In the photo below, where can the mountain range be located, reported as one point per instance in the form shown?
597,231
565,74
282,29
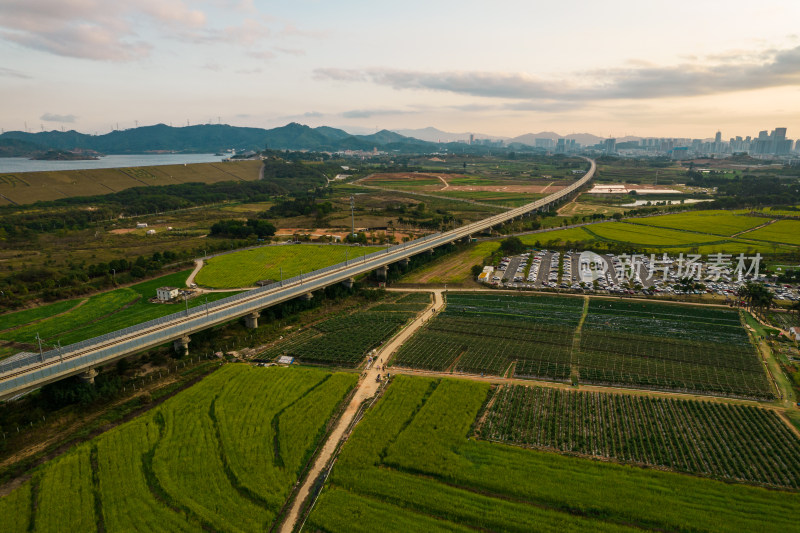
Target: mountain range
207,138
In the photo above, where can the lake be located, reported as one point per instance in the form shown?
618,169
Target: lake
21,164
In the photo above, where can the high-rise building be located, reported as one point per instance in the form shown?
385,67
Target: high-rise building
610,146
471,138
718,137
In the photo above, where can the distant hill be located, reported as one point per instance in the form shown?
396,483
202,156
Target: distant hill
19,148
435,135
208,138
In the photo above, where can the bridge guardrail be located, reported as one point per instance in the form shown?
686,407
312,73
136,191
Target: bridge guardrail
221,310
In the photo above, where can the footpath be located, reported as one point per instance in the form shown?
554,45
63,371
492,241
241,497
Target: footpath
367,388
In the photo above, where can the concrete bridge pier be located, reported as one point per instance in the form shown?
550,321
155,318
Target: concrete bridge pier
251,320
404,262
88,376
382,272
181,345
307,296
349,282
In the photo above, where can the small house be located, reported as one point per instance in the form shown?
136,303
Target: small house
165,294
151,232
140,225
795,333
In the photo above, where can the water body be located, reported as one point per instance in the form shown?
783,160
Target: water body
21,164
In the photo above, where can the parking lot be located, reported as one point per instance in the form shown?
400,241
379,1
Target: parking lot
612,274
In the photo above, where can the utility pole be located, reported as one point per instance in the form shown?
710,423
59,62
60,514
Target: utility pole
186,301
281,276
41,354
353,215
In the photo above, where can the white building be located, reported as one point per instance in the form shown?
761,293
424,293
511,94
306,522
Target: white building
165,294
151,232
141,224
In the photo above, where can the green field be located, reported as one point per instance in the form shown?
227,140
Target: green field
30,187
507,199
729,442
20,318
245,268
715,222
346,339
653,238
411,465
651,345
100,314
782,231
220,456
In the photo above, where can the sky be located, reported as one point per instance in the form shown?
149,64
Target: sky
501,68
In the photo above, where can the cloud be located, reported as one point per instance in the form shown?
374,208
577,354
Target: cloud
728,73
53,117
313,114
262,55
11,73
91,29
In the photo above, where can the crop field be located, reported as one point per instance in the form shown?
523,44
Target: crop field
485,333
245,268
409,465
102,313
345,340
782,231
670,347
221,456
453,267
655,239
646,345
500,198
729,442
30,187
715,222
648,236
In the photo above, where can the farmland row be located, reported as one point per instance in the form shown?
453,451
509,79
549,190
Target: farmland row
651,345
222,455
409,464
730,442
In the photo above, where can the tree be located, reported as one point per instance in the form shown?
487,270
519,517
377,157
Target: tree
476,270
512,246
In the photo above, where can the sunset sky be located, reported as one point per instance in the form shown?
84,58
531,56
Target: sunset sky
613,68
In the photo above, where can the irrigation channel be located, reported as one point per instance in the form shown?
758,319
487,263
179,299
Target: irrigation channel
32,371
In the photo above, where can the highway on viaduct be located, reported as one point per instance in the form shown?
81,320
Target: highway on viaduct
18,375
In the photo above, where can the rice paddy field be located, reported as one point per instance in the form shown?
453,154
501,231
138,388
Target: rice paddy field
30,187
701,231
716,222
245,268
222,455
602,341
413,464
782,231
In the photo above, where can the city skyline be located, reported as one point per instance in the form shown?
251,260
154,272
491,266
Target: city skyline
616,69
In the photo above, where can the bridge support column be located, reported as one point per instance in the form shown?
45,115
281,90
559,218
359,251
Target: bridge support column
307,296
181,345
88,376
382,272
404,262
251,320
349,282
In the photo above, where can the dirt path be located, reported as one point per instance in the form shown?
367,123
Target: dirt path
367,388
529,382
198,264
446,185
757,227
